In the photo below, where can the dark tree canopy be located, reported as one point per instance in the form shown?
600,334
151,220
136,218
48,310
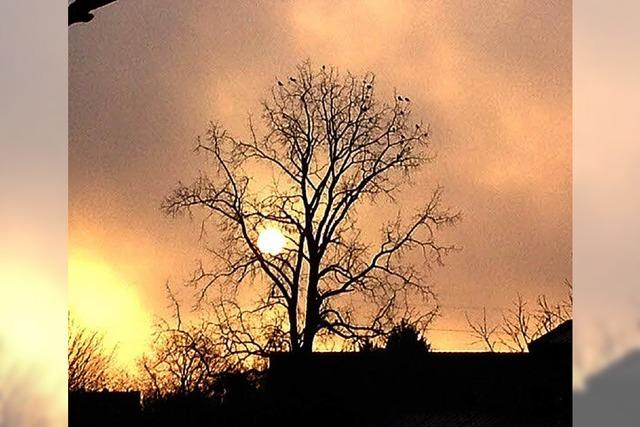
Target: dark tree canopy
328,146
406,339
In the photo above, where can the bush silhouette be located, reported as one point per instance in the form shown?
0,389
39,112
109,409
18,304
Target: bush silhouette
406,339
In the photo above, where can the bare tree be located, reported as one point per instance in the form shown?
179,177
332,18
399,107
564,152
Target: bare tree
329,146
520,325
516,326
549,315
482,331
248,332
89,360
184,359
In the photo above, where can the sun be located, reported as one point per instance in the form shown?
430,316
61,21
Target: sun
271,241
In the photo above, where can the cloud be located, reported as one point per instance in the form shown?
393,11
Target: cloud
493,81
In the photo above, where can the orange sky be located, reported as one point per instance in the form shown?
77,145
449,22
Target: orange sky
493,81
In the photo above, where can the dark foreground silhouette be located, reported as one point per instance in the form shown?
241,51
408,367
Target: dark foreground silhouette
372,388
80,10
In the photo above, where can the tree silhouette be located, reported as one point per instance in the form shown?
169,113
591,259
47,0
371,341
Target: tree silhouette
329,146
483,332
184,359
89,362
519,325
406,339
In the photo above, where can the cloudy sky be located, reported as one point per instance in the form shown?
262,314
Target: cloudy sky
494,82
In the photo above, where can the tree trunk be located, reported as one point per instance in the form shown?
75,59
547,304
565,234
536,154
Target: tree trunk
294,336
312,317
309,335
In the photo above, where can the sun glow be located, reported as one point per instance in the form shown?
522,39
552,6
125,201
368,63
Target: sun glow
271,241
102,301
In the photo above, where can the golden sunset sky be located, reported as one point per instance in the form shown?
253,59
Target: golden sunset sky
145,78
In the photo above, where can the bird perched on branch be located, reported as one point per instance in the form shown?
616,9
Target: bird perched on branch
80,10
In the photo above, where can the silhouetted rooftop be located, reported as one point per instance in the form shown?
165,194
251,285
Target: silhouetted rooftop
438,388
561,336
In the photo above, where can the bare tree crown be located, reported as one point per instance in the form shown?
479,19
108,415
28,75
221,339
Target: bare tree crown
89,362
327,143
520,325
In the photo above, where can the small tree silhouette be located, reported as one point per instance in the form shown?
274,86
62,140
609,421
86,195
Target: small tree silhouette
519,324
406,339
328,144
482,331
89,362
184,359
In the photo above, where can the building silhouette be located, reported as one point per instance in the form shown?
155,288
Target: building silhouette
433,389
